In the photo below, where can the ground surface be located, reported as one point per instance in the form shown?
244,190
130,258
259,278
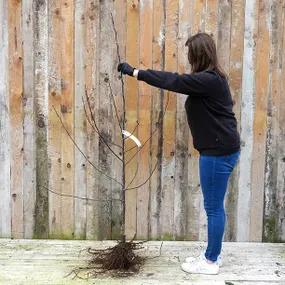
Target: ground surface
42,262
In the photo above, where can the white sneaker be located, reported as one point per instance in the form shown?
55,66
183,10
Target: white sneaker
200,266
202,256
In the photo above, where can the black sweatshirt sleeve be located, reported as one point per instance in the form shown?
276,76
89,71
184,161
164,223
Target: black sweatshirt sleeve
189,84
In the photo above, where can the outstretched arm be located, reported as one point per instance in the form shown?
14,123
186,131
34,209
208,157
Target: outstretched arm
181,83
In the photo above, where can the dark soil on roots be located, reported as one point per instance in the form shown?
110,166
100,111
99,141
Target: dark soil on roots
117,261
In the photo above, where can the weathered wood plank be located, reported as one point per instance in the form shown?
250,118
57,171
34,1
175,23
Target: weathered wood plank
235,80
16,115
29,171
144,111
194,206
212,12
158,52
131,85
247,113
120,23
271,163
169,124
280,195
80,135
5,201
91,51
260,122
198,221
224,33
271,230
54,126
223,38
224,48
67,112
40,24
181,192
106,118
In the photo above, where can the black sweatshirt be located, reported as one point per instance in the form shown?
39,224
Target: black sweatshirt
209,108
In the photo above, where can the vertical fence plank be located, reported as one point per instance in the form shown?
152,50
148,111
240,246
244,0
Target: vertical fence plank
247,113
212,17
144,117
16,115
79,123
260,123
132,57
67,112
105,118
40,40
169,124
91,53
197,223
181,191
279,227
119,15
194,209
235,79
158,51
271,227
61,149
199,9
54,126
5,201
224,42
29,177
224,33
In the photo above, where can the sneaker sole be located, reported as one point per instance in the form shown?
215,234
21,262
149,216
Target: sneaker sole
204,273
192,259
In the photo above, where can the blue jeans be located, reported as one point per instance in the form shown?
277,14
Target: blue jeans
214,175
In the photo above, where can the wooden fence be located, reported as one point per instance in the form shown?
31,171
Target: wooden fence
52,52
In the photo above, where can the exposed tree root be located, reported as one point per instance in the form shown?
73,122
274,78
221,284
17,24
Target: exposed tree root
117,261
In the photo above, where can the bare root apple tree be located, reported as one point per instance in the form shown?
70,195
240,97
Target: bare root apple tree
120,258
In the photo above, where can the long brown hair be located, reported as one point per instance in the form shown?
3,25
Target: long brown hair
202,54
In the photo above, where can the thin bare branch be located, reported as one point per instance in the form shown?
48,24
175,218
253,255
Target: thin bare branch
94,121
152,134
142,184
77,197
90,123
116,37
135,175
119,59
114,104
84,155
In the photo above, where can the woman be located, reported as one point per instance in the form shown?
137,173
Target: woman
214,130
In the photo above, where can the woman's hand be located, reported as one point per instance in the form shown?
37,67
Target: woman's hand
125,68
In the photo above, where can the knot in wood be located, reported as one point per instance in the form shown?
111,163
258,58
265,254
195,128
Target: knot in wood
63,109
41,123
